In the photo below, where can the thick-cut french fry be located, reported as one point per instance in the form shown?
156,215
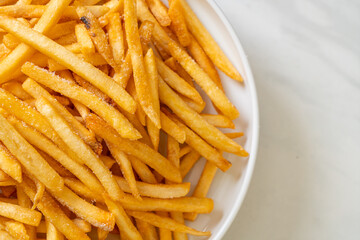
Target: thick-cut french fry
160,12
98,35
27,216
203,185
135,148
83,225
28,156
184,150
37,11
123,221
178,216
9,164
165,222
183,204
142,170
171,128
5,235
41,142
188,162
178,24
147,231
139,72
18,56
71,90
177,83
126,168
68,59
123,76
16,89
17,230
173,151
52,210
94,59
216,95
84,39
79,147
52,233
219,121
208,43
37,91
116,37
198,124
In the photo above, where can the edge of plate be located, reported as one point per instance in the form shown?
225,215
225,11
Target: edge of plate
255,138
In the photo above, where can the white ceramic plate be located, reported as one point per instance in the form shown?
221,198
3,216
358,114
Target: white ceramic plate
228,189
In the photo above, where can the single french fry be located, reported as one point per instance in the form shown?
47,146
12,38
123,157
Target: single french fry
178,24
184,150
142,170
208,43
173,151
177,83
165,222
164,234
68,59
81,108
183,204
126,168
160,12
108,161
139,72
84,39
79,147
123,76
71,90
18,56
9,164
216,95
154,133
178,216
17,230
40,189
41,142
234,135
196,122
51,210
171,128
28,156
52,233
135,148
176,67
219,121
123,221
188,162
37,91
94,59
203,186
147,231
197,107
27,216
97,35
116,37
140,114
83,225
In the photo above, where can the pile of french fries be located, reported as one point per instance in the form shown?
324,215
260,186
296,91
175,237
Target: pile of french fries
90,92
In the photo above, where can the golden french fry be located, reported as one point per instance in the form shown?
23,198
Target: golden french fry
184,150
5,235
173,151
79,147
93,58
145,33
3,176
189,161
52,210
208,43
17,230
135,148
37,91
164,234
234,134
154,133
177,83
142,170
165,222
140,114
183,204
66,39
40,189
178,216
71,90
52,233
41,142
83,225
24,201
171,128
178,24
123,76
82,190
219,121
27,216
108,161
193,105
139,72
9,164
97,35
84,39
146,230
160,12
116,37
176,67
123,221
114,6
28,156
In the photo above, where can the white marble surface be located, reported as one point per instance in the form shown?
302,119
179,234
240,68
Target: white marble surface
305,56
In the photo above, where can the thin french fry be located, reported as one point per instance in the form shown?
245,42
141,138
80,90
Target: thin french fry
9,164
116,37
24,201
219,121
165,222
78,146
94,59
184,150
123,76
82,190
208,43
188,162
71,90
28,156
178,24
135,148
139,72
234,135
84,39
176,67
173,151
147,231
142,170
171,128
27,216
160,12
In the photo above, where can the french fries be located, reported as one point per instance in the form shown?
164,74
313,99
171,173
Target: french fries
102,118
